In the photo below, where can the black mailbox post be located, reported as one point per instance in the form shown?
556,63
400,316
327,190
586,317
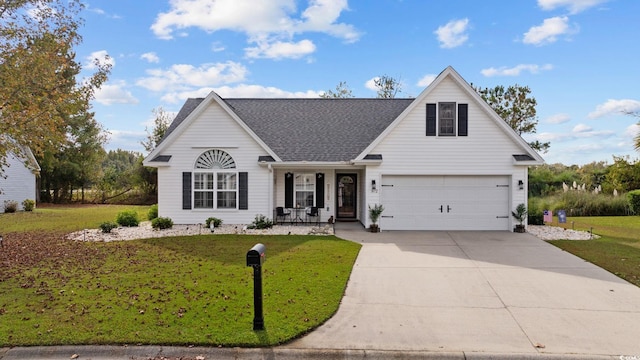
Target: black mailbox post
255,258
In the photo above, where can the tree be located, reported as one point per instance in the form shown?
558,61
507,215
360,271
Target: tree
515,106
76,162
160,125
342,91
388,87
148,177
39,91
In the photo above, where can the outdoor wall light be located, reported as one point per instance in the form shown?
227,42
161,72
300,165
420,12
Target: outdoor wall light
520,184
373,185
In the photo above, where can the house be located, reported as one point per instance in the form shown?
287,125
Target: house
18,178
442,161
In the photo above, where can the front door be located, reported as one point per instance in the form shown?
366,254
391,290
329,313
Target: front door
346,196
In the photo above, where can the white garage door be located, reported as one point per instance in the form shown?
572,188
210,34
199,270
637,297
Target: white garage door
445,203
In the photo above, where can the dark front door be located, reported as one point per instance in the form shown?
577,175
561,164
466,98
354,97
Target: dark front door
346,196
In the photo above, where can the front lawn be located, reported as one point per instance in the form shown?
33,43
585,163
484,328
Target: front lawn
618,249
177,290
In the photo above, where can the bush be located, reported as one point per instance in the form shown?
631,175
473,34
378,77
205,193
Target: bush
577,203
127,218
106,227
634,201
535,215
216,222
162,223
28,204
261,222
153,212
10,206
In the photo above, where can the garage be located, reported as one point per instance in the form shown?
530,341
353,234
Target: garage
445,202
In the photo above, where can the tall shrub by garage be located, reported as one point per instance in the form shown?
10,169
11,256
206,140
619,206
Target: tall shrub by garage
634,201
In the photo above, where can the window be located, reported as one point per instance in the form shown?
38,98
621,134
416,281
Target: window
447,119
305,187
444,120
214,183
227,186
203,190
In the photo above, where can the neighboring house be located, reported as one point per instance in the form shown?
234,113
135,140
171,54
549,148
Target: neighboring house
18,178
442,161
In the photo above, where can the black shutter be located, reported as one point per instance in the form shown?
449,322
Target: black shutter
186,191
320,190
463,123
431,119
243,191
288,190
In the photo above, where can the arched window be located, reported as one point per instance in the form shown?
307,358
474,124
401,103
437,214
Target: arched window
215,183
215,159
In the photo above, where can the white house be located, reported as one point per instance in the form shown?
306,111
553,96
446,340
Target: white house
442,161
18,178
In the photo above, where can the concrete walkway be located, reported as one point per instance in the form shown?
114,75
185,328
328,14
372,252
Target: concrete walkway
496,293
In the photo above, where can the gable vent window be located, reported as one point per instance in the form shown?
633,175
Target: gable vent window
216,183
447,119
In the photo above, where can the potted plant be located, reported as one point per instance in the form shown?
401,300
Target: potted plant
374,215
520,214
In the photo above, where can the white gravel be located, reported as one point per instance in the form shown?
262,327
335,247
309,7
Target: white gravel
145,231
545,232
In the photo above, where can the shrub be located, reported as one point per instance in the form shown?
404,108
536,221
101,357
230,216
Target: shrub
216,222
634,201
162,223
535,215
28,204
107,226
153,212
261,222
10,206
578,203
127,218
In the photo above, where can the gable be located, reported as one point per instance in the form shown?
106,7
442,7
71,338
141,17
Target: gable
480,137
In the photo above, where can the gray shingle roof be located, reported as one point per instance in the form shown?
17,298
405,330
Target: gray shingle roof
312,129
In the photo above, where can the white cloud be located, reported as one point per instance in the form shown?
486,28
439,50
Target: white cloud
574,6
240,91
125,139
371,83
549,31
276,21
516,70
581,128
183,77
281,50
426,80
115,93
632,130
615,107
558,119
452,34
217,46
150,57
102,57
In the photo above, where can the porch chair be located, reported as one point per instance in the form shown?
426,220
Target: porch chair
282,214
313,212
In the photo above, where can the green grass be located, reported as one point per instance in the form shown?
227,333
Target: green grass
65,218
184,291
618,249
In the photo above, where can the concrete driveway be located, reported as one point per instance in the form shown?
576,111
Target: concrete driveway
479,293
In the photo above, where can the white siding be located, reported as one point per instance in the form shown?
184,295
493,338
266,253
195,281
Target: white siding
19,184
487,150
213,129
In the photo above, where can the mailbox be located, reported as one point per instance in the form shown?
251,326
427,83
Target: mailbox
257,255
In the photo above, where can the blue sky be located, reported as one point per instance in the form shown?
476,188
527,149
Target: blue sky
579,57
